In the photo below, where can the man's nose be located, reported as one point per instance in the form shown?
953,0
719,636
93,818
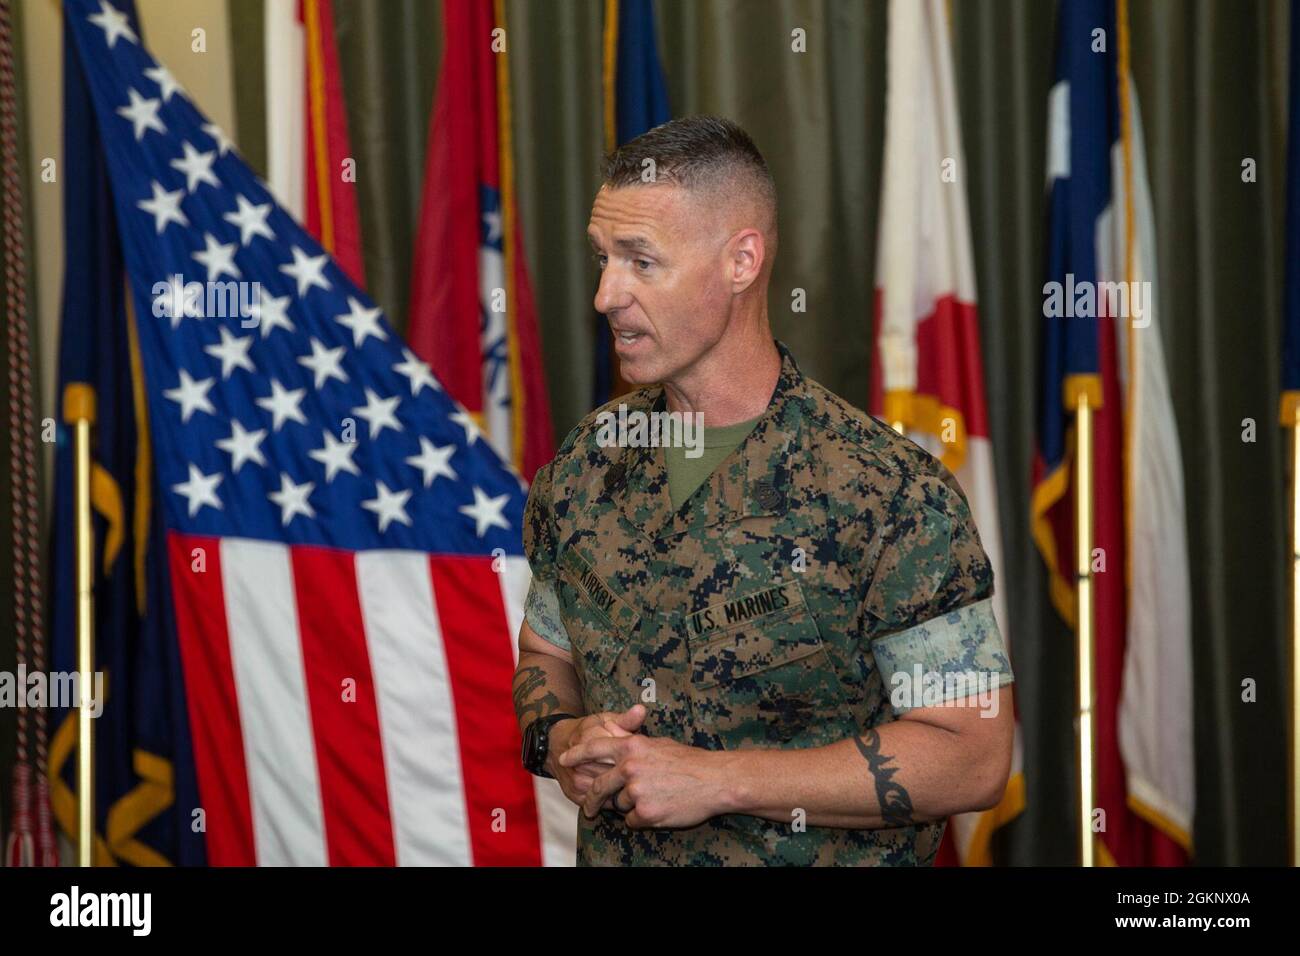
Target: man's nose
610,296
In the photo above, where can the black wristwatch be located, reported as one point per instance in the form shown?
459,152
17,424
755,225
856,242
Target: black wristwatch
537,743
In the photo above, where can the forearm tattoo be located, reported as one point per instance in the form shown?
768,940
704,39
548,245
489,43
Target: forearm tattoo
895,801
529,705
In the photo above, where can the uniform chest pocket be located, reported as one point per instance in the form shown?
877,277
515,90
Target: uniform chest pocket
760,674
599,622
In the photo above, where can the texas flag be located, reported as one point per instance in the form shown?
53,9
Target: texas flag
928,374
1101,344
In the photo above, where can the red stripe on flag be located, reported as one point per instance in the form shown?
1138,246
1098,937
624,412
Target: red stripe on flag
349,751
211,699
476,636
1109,599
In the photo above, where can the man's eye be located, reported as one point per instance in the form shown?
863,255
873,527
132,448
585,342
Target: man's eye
642,264
599,259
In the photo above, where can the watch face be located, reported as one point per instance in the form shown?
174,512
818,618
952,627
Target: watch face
535,747
530,746
537,743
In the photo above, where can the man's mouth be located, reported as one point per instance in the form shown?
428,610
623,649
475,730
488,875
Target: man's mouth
628,337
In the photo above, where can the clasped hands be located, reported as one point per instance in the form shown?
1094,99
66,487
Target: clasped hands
601,761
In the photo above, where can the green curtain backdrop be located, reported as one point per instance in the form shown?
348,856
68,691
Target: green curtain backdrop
1211,78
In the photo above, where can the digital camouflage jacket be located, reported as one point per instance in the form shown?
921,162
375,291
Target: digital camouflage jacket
823,557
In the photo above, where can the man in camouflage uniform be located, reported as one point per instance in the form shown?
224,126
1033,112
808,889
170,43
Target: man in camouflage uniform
744,672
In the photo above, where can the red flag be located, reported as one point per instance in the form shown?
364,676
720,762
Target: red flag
472,313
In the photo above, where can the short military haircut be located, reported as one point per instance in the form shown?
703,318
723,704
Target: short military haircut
708,155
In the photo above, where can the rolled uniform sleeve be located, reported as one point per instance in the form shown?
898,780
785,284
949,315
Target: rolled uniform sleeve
542,606
932,589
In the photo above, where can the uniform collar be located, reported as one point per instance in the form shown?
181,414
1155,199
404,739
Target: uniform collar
753,480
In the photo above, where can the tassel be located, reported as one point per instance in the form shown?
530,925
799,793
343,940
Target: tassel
20,847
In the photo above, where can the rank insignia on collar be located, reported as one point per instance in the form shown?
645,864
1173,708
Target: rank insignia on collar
614,477
766,494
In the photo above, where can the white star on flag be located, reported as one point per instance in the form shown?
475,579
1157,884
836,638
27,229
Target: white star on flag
243,446
324,363
197,167
433,461
143,114
251,220
282,403
270,312
362,322
191,395
336,456
224,145
306,270
233,352
492,220
379,412
486,512
200,490
388,505
114,24
218,258
167,84
416,371
465,421
292,499
165,207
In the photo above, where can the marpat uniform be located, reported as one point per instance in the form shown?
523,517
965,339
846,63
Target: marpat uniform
822,557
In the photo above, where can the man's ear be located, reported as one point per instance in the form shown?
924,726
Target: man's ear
745,264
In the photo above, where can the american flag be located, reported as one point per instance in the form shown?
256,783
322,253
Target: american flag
344,545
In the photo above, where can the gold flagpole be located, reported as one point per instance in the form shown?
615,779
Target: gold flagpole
1293,751
79,411
1083,637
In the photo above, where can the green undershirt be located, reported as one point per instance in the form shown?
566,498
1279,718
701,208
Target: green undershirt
687,474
